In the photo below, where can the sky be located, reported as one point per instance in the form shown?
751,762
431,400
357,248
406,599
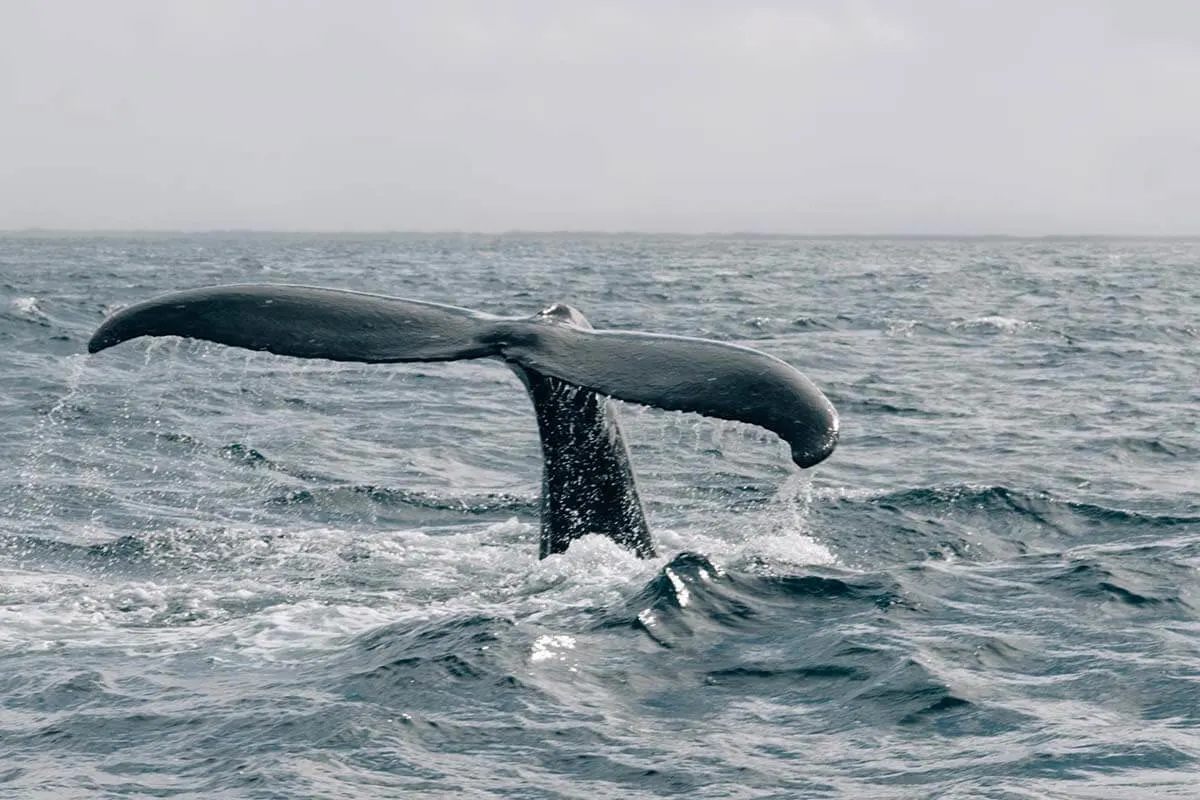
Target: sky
807,117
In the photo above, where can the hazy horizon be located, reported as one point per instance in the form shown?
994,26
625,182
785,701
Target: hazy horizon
517,232
820,118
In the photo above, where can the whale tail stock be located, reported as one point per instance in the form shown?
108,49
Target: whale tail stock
566,366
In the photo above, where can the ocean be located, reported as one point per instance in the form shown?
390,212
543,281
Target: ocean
233,574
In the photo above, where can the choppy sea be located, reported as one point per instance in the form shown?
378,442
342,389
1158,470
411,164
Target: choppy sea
232,574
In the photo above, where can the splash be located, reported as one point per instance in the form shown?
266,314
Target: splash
29,308
50,432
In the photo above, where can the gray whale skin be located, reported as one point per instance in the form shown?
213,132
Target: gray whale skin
568,368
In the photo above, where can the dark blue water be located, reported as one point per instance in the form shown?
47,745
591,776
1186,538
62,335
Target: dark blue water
230,574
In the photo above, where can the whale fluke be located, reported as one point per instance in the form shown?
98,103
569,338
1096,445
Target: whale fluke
677,373
669,372
307,322
567,367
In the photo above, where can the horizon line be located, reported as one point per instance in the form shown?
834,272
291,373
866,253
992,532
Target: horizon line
731,234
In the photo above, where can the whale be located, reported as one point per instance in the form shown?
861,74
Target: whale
570,371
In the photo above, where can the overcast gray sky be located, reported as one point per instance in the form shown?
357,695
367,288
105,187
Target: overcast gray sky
821,116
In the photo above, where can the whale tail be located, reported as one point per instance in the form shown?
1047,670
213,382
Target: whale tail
567,367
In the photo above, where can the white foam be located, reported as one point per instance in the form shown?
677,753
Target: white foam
246,593
28,306
779,532
551,648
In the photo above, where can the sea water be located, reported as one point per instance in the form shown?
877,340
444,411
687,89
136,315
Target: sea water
232,574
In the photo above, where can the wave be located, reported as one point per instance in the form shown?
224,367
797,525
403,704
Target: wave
1155,446
480,504
691,594
1038,505
976,524
1096,578
867,406
435,654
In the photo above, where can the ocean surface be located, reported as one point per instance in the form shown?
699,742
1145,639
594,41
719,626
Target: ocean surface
232,574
